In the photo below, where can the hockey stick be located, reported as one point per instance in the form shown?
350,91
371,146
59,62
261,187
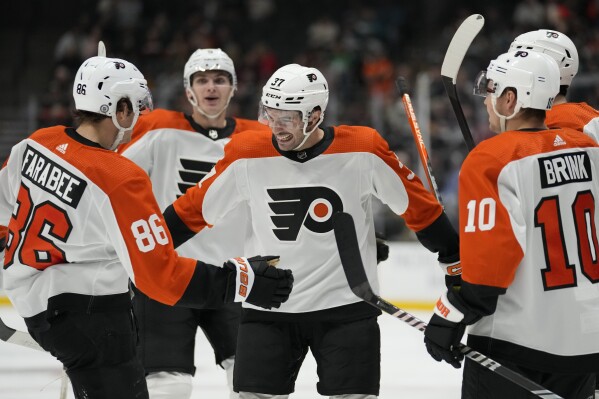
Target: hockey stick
10,335
351,261
422,152
454,56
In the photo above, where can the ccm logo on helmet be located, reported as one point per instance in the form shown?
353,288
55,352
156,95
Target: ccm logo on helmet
312,207
311,77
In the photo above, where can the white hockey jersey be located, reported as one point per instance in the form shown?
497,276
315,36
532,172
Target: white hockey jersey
81,221
292,197
528,216
177,153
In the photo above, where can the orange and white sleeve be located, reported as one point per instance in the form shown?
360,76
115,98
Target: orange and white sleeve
144,246
490,252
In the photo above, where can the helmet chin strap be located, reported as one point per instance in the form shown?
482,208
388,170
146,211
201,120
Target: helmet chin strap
194,102
121,134
502,118
306,135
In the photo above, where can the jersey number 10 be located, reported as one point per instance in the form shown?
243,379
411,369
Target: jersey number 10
558,272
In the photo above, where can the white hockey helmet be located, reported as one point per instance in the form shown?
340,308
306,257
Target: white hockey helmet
295,88
555,44
534,76
208,59
101,82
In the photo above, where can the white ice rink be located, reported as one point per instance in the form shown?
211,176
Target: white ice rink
407,370
410,275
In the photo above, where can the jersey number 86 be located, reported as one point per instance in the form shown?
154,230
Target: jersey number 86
148,233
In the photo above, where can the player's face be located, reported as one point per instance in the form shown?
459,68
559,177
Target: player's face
286,126
212,90
502,106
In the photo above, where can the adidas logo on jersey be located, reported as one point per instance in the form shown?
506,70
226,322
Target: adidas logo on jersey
558,141
62,148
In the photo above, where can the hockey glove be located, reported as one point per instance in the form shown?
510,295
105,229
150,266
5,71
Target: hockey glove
444,332
382,249
253,280
453,274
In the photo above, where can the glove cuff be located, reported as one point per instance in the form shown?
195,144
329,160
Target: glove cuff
445,309
244,278
451,269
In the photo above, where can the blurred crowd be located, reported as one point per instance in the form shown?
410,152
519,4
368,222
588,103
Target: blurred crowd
361,47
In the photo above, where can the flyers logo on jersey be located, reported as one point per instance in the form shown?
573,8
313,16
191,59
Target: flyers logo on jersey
565,168
295,207
191,172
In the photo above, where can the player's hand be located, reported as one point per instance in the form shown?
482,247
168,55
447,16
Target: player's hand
442,339
382,249
255,281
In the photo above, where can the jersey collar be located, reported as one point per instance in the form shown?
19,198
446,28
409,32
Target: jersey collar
309,153
72,133
213,133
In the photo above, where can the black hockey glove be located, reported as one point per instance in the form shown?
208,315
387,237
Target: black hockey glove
255,281
442,339
382,249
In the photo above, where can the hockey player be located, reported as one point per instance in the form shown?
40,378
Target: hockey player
580,116
293,180
82,221
527,205
177,150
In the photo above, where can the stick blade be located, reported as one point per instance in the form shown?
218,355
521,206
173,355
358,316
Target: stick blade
10,335
349,252
459,45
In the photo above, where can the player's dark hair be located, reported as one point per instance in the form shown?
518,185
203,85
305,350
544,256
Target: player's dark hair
317,108
532,113
93,118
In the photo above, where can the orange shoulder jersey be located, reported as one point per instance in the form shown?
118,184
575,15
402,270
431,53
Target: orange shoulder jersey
529,251
577,116
177,153
81,221
292,196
